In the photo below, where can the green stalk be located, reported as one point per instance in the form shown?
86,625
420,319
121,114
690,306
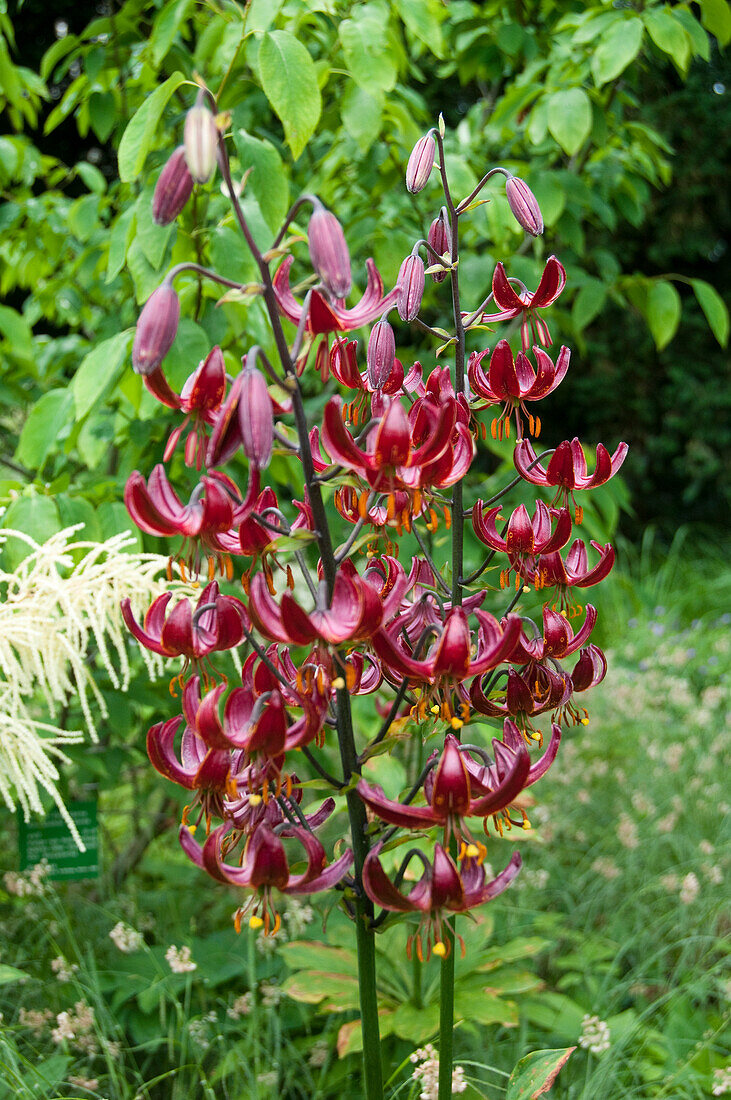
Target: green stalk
364,933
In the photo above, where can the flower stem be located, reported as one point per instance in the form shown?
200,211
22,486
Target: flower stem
446,1014
364,932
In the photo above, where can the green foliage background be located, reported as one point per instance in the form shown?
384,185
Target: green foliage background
617,117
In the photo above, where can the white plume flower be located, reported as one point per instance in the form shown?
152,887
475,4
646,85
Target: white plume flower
62,600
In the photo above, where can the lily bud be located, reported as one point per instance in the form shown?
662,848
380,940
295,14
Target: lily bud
440,238
381,354
172,190
420,163
256,417
410,283
201,142
328,251
156,329
524,206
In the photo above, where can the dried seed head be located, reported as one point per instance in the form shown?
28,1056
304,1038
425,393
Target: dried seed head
328,251
410,283
524,206
420,163
381,354
201,142
156,329
173,189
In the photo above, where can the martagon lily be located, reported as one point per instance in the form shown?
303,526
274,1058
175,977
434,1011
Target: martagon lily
523,303
443,886
264,868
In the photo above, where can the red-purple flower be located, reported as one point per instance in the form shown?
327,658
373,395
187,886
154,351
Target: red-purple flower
567,467
558,640
512,303
194,765
453,657
550,570
534,691
442,886
264,867
333,316
404,451
352,614
214,509
450,794
525,538
217,624
511,382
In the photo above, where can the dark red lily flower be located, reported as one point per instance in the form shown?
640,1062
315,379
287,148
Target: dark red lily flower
558,639
442,886
201,397
353,506
213,772
589,670
525,538
567,467
523,304
550,570
208,520
488,777
451,796
353,614
511,383
333,316
403,453
536,690
264,867
420,608
259,724
248,810
183,632
451,659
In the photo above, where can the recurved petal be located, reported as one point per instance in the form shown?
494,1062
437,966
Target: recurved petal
553,280
379,887
405,816
503,293
490,890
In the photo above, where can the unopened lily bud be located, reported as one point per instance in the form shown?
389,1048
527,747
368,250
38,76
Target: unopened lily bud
201,142
256,417
410,283
524,206
381,354
172,190
328,251
156,329
420,163
440,239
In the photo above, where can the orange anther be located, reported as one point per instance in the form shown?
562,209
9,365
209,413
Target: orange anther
447,517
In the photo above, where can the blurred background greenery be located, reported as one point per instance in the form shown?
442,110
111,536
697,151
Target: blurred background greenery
618,116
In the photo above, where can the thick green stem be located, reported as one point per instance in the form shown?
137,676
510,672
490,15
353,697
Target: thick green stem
365,935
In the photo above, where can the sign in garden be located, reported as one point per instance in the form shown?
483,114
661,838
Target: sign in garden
49,838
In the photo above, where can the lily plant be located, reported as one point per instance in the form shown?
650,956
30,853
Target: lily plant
316,622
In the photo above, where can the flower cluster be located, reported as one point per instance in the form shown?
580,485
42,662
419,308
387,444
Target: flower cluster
594,1035
426,1072
315,622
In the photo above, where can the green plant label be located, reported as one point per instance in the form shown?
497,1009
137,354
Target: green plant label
50,838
